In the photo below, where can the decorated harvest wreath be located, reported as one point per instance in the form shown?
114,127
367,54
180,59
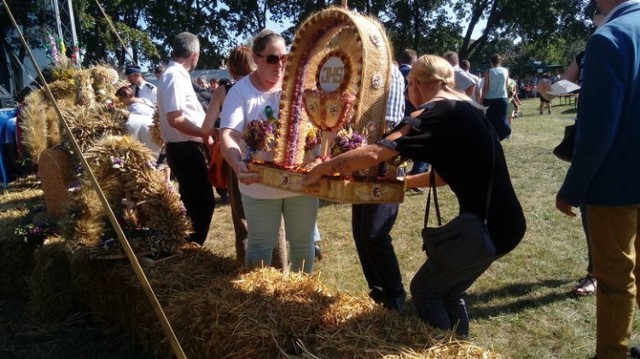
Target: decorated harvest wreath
336,80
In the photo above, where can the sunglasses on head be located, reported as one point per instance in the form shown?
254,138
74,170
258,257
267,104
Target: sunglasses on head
274,59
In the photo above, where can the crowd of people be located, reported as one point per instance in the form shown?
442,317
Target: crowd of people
450,123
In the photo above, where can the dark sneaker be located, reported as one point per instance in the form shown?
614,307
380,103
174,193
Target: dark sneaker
318,252
376,295
395,303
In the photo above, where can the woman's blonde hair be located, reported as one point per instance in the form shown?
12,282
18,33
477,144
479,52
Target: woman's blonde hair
432,68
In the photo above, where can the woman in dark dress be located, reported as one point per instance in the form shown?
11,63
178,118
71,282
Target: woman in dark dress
451,133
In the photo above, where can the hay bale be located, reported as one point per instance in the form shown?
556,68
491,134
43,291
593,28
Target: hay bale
15,264
25,229
218,309
50,290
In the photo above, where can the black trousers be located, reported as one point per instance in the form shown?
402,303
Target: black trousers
188,163
371,225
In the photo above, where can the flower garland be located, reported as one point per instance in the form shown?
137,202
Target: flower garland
347,140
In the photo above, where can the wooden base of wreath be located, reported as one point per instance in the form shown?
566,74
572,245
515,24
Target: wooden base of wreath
337,189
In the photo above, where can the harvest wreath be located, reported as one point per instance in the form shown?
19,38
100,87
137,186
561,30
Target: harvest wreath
336,81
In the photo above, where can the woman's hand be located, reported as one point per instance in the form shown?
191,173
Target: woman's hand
314,175
245,175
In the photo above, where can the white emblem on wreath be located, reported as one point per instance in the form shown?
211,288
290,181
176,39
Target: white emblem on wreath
376,81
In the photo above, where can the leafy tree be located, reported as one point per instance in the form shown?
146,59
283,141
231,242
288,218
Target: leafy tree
529,21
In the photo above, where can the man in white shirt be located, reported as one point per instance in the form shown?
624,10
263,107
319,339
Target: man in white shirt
141,88
465,65
181,118
464,82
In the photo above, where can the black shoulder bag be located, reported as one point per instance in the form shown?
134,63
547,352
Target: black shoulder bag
564,150
464,240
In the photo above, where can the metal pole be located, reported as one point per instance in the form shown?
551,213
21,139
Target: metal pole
142,278
56,10
74,35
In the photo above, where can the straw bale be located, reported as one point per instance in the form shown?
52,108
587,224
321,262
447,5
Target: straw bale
15,264
218,309
50,288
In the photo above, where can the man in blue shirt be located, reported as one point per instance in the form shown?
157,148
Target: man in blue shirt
605,171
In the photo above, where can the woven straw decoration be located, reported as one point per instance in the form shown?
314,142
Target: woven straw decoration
55,171
362,45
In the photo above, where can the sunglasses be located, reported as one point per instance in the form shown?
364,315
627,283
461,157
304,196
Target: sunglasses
274,59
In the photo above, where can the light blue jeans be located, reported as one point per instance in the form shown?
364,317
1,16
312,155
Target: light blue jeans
263,221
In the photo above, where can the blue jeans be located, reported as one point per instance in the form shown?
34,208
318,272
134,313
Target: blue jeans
418,167
263,221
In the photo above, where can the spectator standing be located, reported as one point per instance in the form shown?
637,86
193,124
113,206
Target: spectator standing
604,172
140,117
181,118
240,64
214,84
405,60
544,86
588,284
494,96
372,223
158,71
464,82
466,66
257,97
141,88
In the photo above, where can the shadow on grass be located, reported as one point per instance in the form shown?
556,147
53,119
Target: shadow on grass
519,297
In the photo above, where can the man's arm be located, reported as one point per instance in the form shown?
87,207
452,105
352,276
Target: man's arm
182,124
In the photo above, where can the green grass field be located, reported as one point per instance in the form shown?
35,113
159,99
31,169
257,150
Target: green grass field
521,308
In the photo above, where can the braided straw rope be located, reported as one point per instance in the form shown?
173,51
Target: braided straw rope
364,48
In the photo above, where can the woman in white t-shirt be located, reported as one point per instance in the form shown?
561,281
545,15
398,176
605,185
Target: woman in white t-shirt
140,117
256,97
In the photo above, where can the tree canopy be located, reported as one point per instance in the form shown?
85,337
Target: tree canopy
538,30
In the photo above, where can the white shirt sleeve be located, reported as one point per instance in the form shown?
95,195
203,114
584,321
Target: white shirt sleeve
233,114
172,98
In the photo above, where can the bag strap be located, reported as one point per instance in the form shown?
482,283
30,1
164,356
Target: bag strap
432,185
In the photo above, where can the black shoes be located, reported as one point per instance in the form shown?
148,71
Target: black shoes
391,302
318,252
